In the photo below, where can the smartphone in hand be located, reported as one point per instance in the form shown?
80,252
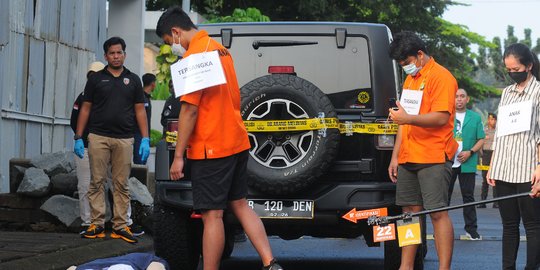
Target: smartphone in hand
392,104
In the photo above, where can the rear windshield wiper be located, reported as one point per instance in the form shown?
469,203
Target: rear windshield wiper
280,43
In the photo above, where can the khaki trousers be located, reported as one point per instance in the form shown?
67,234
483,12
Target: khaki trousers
104,151
83,176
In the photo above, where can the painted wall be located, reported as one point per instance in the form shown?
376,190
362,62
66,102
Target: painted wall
45,49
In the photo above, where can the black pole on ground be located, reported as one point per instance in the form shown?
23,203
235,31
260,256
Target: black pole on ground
375,220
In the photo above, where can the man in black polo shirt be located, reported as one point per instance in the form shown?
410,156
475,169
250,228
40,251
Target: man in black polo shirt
113,101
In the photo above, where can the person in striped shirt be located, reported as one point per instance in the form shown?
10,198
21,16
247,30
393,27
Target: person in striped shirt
514,163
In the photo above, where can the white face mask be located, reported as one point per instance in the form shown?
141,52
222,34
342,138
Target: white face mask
177,48
411,69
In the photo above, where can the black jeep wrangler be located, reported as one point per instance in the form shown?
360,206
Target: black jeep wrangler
302,178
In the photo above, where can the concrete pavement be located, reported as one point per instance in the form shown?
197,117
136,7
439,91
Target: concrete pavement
58,251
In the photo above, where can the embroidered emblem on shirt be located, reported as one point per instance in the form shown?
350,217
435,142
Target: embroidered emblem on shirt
126,81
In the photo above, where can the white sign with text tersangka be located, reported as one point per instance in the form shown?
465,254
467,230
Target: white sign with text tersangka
196,72
411,100
514,118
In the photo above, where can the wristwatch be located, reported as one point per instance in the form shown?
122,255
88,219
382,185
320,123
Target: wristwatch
76,137
472,151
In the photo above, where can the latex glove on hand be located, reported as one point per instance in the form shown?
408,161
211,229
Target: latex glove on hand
144,149
78,148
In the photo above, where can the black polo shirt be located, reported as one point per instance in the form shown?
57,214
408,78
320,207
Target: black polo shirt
113,103
148,108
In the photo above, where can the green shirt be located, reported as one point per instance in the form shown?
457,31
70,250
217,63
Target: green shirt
472,130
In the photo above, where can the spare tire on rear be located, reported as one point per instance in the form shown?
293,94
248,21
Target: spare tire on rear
286,162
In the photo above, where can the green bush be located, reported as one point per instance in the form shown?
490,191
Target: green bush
155,137
164,61
161,92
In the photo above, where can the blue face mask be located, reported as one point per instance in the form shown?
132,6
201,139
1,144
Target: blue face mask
411,69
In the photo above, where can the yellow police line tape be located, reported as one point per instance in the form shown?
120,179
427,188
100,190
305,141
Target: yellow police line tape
347,127
320,123
170,136
482,167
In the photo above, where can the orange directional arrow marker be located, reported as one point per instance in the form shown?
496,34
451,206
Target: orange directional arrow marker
354,216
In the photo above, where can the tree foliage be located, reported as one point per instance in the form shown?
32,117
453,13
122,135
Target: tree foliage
241,15
164,61
493,71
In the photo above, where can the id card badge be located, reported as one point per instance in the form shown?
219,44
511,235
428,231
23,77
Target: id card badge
409,232
514,118
411,100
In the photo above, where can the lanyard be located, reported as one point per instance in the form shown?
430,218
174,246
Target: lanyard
207,44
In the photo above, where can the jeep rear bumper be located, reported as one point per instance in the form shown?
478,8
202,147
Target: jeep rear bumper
341,197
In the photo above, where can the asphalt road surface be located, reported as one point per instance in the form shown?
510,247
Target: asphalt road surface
343,254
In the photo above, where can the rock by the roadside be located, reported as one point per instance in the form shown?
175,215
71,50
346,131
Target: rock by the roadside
16,175
54,163
64,208
35,183
64,183
139,192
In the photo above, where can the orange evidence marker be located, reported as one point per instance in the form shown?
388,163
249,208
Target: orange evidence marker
384,233
354,216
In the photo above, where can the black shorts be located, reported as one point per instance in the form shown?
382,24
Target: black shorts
218,181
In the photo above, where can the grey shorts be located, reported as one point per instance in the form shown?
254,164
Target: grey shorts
426,186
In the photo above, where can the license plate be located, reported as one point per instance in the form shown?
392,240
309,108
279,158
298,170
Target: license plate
300,209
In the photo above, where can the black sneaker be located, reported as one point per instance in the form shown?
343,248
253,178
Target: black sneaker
136,230
93,231
125,234
84,228
473,236
273,266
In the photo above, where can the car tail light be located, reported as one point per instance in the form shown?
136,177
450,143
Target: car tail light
281,70
195,215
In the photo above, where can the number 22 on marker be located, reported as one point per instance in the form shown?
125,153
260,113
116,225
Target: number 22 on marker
384,233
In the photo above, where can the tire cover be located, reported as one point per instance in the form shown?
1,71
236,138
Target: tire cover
282,163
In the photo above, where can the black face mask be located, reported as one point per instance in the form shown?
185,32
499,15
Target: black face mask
518,77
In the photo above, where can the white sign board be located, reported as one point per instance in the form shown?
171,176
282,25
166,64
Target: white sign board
196,72
411,101
514,118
